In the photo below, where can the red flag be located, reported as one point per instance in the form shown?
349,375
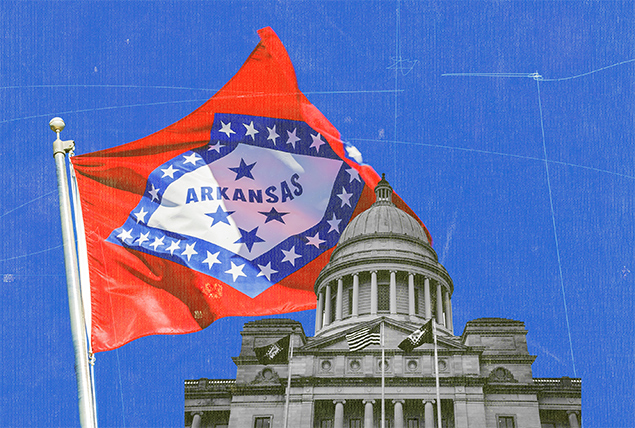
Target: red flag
233,210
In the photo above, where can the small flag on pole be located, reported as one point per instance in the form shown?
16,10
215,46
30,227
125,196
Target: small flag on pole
276,353
362,338
420,336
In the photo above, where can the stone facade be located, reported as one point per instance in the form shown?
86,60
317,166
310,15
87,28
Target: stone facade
384,274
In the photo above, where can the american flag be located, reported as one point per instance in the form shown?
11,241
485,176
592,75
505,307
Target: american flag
362,338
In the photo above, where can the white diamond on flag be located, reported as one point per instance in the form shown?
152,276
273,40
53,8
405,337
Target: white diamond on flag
275,173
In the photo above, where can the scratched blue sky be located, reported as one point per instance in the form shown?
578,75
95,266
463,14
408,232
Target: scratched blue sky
466,153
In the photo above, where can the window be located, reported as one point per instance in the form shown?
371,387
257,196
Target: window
333,304
326,423
416,301
355,423
383,297
350,301
506,422
413,423
262,422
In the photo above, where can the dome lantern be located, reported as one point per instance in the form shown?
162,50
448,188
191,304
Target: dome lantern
383,192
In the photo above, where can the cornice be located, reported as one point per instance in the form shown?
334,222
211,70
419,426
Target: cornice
511,388
508,359
395,381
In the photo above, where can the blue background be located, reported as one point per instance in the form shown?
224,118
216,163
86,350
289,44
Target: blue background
466,153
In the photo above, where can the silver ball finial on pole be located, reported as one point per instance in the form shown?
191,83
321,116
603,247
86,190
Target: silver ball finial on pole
57,124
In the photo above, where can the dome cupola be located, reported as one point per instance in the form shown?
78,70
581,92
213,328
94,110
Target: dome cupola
383,265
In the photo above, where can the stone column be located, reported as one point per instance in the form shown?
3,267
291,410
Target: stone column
368,413
573,419
338,302
426,296
448,310
398,413
338,419
411,294
355,294
439,304
196,421
393,292
428,413
327,306
319,312
373,292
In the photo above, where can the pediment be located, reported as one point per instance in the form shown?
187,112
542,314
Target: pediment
394,333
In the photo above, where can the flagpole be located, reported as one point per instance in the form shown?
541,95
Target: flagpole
436,372
87,416
383,378
286,404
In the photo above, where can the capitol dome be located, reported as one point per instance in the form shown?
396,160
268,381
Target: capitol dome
383,265
383,217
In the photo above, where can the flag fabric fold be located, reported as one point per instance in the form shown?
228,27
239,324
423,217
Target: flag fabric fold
233,210
363,338
423,334
276,353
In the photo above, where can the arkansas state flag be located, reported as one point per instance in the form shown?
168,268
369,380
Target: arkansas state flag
233,210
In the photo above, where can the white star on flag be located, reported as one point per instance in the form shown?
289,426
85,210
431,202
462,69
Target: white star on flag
141,215
354,175
125,234
236,271
189,251
290,256
211,259
193,158
345,197
315,240
157,242
143,238
334,223
251,131
292,138
266,271
168,172
173,246
154,192
216,147
317,142
226,128
273,135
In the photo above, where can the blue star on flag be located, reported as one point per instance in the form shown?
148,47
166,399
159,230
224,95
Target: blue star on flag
243,170
220,216
273,215
249,238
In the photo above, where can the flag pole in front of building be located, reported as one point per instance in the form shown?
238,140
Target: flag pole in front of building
383,378
87,415
436,371
286,404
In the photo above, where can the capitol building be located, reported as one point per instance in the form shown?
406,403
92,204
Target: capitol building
384,275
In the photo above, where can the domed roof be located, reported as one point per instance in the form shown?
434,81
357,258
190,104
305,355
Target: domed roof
383,217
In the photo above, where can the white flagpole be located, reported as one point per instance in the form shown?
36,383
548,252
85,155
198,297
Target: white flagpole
84,279
87,417
436,372
383,379
286,404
